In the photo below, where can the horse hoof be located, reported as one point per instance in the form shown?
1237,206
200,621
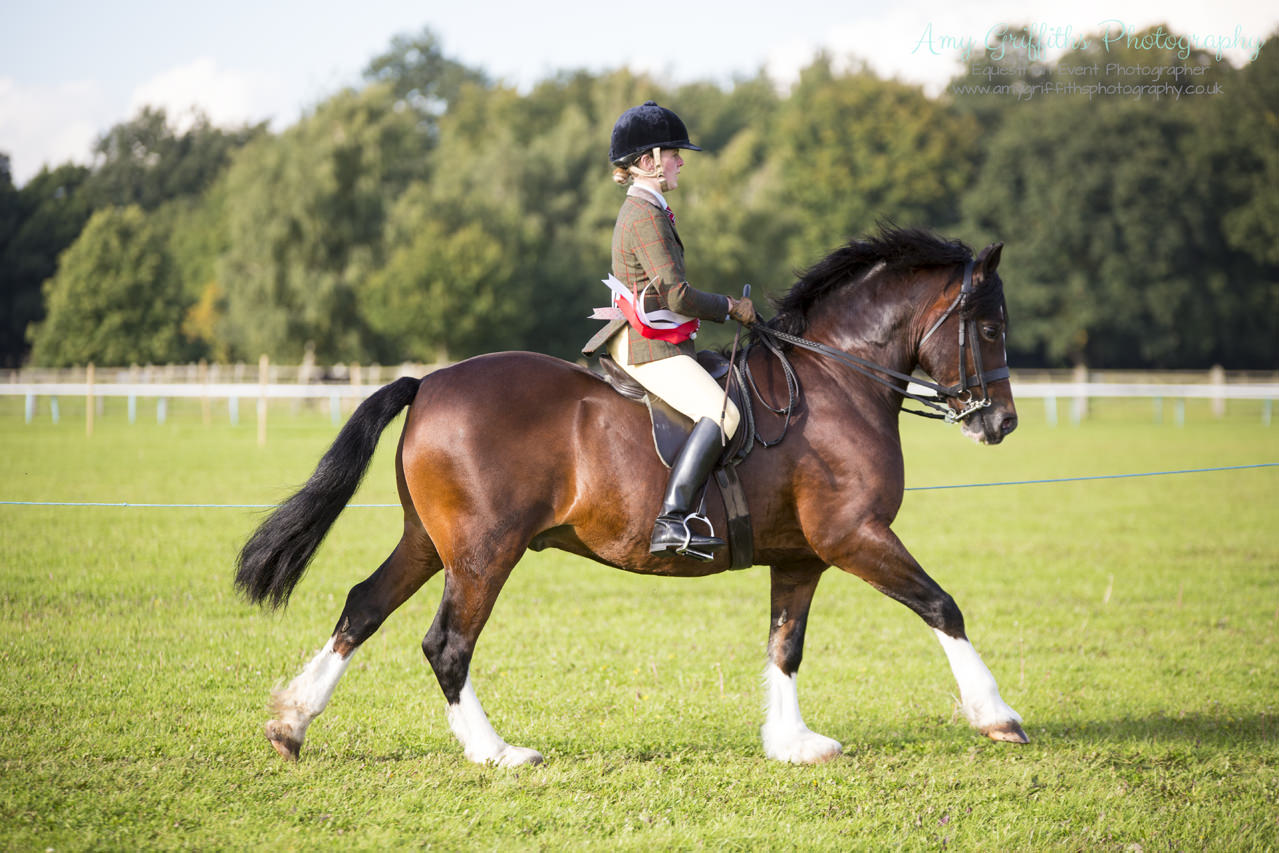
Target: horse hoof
1009,732
288,746
807,747
519,756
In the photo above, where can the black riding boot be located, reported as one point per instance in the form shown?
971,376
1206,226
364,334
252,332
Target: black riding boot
688,475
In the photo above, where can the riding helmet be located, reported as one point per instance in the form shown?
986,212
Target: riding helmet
644,128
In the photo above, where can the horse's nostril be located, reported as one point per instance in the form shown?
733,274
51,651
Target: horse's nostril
1007,425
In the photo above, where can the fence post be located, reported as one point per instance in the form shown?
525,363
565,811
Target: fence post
206,410
1217,377
263,375
1079,407
1050,410
133,398
30,408
88,401
355,379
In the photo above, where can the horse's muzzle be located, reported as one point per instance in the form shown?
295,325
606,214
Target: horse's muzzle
991,426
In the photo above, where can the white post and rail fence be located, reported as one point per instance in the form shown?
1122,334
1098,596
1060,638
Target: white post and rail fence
343,386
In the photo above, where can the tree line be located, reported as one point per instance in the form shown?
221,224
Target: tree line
432,213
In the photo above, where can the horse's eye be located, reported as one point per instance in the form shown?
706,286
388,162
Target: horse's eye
990,331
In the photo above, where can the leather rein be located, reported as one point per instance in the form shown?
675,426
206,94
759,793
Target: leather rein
960,391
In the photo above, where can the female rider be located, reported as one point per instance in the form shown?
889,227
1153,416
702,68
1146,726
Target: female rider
660,312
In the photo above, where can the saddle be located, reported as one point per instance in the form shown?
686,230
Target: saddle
671,429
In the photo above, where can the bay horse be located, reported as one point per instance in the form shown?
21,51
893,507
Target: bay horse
511,451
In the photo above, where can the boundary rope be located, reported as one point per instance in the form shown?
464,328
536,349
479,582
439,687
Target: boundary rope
131,505
1094,477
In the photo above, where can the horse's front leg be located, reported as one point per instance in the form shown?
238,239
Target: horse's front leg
876,555
786,738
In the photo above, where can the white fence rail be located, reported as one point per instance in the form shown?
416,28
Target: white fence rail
1076,392
337,384
211,390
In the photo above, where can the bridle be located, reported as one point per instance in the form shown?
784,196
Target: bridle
967,339
960,392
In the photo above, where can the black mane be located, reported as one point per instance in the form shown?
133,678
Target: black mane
896,248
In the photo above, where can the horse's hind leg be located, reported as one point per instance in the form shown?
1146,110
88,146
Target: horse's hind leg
786,738
368,604
470,589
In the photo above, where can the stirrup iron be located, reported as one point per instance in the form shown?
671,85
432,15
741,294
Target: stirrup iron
684,550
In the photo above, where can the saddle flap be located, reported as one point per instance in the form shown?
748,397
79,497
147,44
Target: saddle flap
671,430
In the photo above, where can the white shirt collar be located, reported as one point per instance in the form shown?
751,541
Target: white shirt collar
654,195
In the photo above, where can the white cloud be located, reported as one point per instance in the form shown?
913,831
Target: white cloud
786,59
889,42
50,125
226,96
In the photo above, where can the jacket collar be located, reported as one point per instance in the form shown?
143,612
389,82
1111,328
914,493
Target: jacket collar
652,196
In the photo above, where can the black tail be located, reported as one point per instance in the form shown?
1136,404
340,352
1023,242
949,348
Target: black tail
278,552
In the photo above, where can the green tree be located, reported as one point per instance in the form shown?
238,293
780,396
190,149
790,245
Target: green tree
421,76
1117,211
1247,156
146,161
198,238
143,161
1236,160
1115,235
41,220
735,224
449,290
729,196
112,300
305,213
854,149
531,172
14,321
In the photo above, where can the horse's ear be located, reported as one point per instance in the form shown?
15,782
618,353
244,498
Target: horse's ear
988,259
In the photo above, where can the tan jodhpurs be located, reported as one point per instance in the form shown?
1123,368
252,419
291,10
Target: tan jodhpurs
681,382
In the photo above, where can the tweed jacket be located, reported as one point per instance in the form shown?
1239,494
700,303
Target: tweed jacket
647,249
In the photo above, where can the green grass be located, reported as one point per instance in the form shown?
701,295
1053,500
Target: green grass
1132,623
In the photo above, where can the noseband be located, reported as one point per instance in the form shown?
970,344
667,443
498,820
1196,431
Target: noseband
959,392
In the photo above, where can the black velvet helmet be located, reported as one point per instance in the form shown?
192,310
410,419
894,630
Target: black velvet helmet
644,128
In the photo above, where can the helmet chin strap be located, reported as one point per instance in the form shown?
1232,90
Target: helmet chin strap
657,172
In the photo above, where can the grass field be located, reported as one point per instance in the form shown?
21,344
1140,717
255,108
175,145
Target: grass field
1132,623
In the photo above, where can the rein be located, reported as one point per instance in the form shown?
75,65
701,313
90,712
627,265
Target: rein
959,391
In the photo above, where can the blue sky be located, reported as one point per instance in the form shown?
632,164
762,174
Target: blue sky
70,69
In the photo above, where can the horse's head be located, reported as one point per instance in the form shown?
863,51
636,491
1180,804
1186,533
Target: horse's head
962,345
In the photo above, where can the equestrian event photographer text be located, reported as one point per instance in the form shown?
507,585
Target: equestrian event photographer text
1037,39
